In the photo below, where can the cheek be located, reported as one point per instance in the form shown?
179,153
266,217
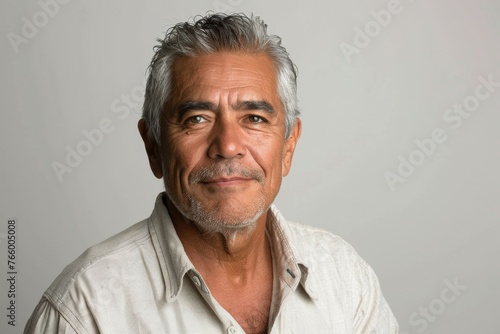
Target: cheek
270,158
172,159
183,159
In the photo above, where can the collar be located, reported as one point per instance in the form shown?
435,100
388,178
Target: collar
175,263
173,260
291,266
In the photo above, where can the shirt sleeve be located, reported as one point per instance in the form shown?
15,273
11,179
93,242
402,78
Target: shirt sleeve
373,314
47,320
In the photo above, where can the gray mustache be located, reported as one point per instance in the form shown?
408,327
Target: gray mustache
229,169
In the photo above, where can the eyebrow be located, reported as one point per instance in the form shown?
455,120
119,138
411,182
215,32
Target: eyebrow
255,105
194,105
205,105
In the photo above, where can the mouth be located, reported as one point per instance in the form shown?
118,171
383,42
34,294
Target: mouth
226,181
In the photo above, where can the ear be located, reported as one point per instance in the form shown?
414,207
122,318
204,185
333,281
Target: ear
289,147
152,149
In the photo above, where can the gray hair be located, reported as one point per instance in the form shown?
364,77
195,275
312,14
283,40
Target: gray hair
210,34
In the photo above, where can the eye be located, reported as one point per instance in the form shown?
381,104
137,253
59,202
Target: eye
256,119
196,119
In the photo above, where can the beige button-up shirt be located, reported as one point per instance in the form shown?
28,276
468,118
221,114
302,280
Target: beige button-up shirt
142,281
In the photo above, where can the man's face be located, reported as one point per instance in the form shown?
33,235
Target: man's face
223,151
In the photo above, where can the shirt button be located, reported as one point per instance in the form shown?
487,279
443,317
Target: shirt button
196,280
231,330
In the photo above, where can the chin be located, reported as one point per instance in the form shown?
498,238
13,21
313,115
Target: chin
227,216
229,220
210,222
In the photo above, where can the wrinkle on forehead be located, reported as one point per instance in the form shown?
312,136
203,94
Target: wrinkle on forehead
225,70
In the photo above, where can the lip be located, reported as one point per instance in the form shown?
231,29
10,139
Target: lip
226,181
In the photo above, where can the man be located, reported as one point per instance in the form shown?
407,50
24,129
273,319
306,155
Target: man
220,126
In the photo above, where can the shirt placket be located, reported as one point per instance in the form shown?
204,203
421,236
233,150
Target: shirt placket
229,324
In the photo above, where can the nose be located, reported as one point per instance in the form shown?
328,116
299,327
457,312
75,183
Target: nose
226,141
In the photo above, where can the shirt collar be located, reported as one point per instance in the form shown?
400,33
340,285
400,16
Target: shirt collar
287,258
168,247
290,267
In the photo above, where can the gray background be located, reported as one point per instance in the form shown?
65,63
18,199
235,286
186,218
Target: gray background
360,114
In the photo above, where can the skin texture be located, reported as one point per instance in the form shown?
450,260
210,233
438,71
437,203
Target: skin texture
222,155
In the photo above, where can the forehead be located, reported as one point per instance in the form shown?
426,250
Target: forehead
228,73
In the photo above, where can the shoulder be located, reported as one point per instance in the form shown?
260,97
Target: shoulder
335,268
308,242
318,246
327,257
313,236
114,251
91,282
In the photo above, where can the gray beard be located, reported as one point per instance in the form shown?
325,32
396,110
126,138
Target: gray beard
209,221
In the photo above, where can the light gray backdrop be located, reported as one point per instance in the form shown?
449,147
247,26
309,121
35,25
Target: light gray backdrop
399,153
